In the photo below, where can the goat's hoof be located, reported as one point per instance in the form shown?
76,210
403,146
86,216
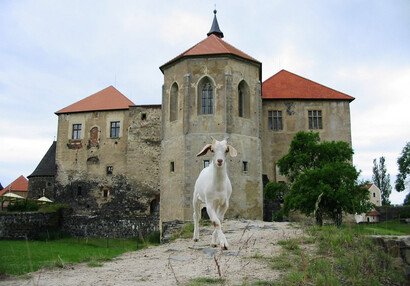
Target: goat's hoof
196,239
224,247
214,245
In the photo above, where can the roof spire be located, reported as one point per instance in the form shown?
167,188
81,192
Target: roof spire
215,28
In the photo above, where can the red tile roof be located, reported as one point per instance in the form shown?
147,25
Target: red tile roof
287,85
18,185
107,99
212,45
373,213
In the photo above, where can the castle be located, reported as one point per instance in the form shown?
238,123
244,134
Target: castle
120,165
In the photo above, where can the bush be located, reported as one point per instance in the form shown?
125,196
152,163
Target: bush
274,191
53,207
26,205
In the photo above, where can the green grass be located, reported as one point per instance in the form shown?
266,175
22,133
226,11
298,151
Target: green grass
18,256
344,257
383,228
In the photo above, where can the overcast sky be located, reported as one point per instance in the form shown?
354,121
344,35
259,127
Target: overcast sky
54,53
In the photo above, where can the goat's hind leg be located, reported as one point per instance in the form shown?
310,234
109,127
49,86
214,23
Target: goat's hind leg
196,216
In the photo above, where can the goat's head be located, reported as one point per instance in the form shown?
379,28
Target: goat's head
219,150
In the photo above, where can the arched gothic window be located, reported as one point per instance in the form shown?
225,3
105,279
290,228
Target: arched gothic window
243,100
207,98
173,103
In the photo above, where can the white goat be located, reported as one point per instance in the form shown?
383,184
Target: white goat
213,188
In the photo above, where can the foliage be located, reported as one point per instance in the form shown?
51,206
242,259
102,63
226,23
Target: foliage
324,182
343,258
274,191
53,207
26,205
402,180
407,200
382,180
19,256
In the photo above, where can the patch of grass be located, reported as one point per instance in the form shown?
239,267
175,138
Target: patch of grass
205,281
392,227
19,256
95,263
281,262
344,257
187,231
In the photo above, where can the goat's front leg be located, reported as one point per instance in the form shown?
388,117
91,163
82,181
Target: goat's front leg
217,228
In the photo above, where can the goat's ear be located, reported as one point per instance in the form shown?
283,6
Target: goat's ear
205,150
232,151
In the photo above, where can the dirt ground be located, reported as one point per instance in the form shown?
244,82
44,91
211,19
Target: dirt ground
179,261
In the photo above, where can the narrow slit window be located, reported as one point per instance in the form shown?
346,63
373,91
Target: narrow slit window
172,167
245,167
206,163
110,170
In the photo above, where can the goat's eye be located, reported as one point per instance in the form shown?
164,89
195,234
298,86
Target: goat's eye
212,150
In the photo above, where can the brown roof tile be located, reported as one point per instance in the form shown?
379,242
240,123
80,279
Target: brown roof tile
212,45
287,85
18,185
107,99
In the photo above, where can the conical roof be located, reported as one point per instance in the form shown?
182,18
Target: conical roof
47,166
215,28
107,99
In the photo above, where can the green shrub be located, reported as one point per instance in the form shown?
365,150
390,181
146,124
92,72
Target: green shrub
53,207
26,205
274,191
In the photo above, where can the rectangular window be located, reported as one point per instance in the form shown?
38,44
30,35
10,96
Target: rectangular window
143,116
374,195
172,167
275,120
315,119
115,129
76,131
245,167
110,169
206,163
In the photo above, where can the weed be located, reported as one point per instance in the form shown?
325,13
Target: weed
205,281
95,263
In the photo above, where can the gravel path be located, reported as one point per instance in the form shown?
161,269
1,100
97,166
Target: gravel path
177,262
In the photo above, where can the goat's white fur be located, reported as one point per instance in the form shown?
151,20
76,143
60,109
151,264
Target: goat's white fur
213,188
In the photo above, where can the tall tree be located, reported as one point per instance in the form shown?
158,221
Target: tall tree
382,180
402,180
323,180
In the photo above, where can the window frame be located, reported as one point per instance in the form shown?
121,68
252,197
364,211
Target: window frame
315,119
275,120
76,134
115,127
207,98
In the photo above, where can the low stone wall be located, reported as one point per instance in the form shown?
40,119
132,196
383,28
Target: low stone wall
27,225
110,227
32,224
398,248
